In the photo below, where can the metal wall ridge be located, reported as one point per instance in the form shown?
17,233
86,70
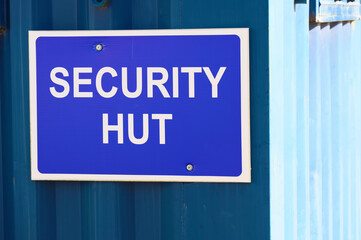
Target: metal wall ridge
315,104
110,210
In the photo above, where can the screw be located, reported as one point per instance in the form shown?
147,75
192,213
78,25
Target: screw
99,47
189,167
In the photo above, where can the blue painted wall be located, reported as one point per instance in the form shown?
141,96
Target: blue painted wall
305,134
97,210
315,106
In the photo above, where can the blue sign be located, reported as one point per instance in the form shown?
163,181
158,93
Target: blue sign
160,105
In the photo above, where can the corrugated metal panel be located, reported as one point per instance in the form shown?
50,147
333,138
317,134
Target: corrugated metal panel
315,80
2,76
88,210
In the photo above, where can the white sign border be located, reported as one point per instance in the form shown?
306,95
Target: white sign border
245,177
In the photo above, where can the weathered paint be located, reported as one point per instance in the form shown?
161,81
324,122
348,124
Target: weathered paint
314,126
98,210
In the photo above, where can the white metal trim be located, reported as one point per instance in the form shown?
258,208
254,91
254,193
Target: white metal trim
243,34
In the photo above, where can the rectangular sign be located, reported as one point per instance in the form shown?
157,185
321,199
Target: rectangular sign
140,105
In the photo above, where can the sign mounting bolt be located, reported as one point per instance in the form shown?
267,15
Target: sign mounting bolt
190,167
99,47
